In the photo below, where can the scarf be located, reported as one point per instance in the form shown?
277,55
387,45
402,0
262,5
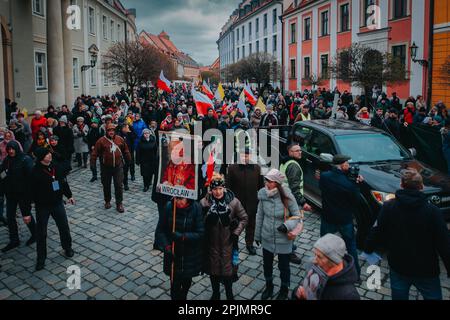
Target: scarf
218,212
271,193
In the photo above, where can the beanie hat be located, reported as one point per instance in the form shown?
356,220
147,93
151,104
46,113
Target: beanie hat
41,153
63,119
332,246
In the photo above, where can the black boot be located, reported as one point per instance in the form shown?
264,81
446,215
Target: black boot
10,246
283,294
93,179
215,284
294,258
126,188
268,291
30,241
40,265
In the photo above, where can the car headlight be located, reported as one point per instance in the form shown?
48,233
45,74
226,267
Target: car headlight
382,197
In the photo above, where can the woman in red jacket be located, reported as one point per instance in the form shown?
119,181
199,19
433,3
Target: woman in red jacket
37,123
409,113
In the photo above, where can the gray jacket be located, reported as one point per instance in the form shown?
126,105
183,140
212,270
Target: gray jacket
269,217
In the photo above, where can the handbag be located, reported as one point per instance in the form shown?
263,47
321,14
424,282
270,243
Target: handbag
292,226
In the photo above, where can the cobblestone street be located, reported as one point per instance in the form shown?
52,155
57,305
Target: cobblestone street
116,259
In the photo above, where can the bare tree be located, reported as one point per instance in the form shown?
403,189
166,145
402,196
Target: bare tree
133,64
313,80
260,68
365,67
212,76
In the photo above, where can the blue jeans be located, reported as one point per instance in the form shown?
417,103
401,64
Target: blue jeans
429,288
348,235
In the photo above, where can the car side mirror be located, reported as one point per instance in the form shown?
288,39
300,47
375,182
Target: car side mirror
413,152
326,157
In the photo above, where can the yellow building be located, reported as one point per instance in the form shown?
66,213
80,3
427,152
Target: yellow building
441,51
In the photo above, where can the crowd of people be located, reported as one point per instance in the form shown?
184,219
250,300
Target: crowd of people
121,131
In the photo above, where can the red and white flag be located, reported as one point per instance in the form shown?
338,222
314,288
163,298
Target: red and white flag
202,102
250,96
163,83
207,90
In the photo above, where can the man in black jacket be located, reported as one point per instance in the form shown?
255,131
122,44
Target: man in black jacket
15,173
414,233
49,184
378,119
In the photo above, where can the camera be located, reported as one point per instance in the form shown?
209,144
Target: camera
353,173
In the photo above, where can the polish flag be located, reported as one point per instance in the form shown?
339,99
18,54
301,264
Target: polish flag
224,109
202,102
250,96
163,83
207,90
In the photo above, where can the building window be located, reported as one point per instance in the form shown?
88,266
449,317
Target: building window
400,53
257,27
369,13
274,19
237,37
40,65
250,31
265,24
93,77
307,66
75,70
293,32
38,7
265,45
324,65
243,33
293,74
91,20
112,31
307,29
243,52
238,53
399,9
345,18
119,32
105,28
257,46
324,23
105,79
250,49
274,44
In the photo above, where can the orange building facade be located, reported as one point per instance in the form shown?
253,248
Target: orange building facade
441,51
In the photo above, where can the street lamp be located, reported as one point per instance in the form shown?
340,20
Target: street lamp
93,50
413,50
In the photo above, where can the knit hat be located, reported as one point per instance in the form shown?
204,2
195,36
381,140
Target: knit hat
217,182
41,153
80,119
275,176
54,138
63,119
332,246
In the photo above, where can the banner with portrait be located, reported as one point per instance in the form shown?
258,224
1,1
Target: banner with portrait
178,172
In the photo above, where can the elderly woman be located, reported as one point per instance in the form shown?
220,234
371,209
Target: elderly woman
225,220
80,132
276,205
147,156
8,136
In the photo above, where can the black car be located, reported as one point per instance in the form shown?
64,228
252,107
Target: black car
380,159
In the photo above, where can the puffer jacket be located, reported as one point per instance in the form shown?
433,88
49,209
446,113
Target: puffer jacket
188,249
218,237
270,216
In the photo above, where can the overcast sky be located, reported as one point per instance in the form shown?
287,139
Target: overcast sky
193,25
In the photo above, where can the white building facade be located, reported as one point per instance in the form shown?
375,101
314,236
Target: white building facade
47,43
254,27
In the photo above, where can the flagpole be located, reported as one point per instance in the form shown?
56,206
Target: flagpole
174,216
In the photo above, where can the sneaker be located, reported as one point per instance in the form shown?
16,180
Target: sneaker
30,241
69,253
295,259
251,250
93,179
120,208
40,265
108,205
10,246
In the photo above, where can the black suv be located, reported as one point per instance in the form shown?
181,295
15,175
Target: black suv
380,159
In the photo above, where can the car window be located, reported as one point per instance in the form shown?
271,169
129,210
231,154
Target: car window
320,143
302,135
